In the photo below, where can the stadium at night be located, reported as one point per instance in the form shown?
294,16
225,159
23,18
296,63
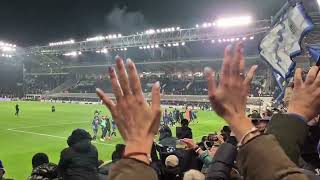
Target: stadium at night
49,79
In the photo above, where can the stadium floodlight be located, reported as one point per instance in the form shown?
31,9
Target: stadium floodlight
125,49
150,31
213,41
234,21
156,46
252,37
169,45
237,39
119,35
140,47
318,1
97,38
197,25
204,25
158,30
232,39
114,36
148,47
144,47
164,45
244,38
8,49
104,50
73,53
219,40
98,51
152,46
183,43
51,44
178,28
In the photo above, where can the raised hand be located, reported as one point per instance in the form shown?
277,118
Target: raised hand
305,98
189,142
138,122
229,98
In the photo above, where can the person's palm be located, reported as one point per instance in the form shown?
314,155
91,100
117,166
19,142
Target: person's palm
137,121
229,99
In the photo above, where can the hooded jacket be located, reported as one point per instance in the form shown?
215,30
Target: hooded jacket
80,160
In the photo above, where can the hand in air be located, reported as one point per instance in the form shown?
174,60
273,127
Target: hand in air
229,99
305,98
189,142
138,122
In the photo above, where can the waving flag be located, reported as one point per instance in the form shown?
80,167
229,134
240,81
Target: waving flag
282,43
314,52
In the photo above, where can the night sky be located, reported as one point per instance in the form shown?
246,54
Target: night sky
38,22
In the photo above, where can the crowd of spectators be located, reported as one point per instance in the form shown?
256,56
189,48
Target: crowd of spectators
262,146
171,84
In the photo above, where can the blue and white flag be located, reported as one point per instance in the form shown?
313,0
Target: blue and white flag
314,52
283,41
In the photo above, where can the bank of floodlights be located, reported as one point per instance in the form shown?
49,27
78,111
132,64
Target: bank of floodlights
73,53
228,22
62,43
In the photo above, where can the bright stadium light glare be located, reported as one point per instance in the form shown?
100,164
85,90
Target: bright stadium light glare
119,35
156,46
197,25
148,47
252,37
213,41
125,49
318,1
178,28
140,47
73,53
169,45
152,46
237,39
53,43
97,38
234,21
244,38
164,45
204,25
144,47
183,43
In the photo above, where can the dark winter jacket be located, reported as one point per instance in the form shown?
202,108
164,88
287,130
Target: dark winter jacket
222,163
80,160
185,132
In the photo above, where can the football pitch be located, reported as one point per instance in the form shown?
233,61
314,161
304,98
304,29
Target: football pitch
37,129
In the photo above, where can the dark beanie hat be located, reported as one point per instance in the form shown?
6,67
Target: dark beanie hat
226,129
39,159
184,122
77,136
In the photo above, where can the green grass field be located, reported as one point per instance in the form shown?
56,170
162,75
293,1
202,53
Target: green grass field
39,130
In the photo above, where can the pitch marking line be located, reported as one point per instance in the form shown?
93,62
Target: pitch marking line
52,136
48,125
